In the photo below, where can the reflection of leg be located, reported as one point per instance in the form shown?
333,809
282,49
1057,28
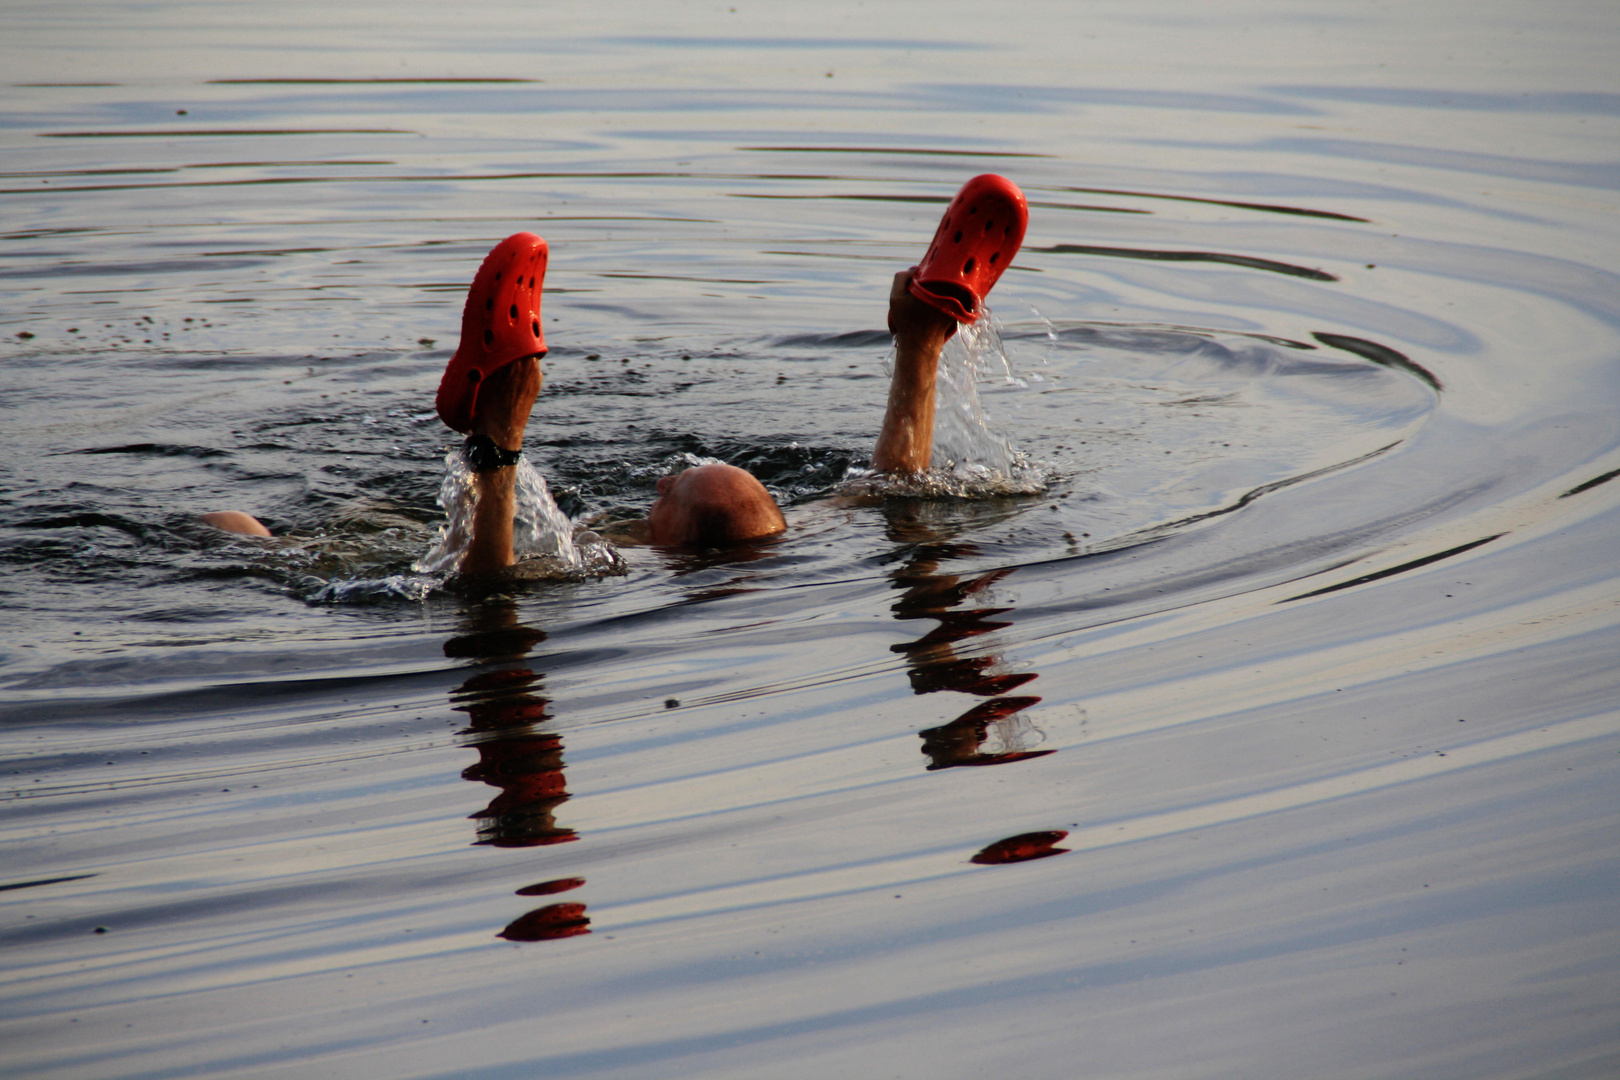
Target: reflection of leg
961,741
932,659
933,664
504,708
529,771
504,711
965,675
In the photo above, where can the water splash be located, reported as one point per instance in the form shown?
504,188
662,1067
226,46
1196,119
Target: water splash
971,459
544,540
962,437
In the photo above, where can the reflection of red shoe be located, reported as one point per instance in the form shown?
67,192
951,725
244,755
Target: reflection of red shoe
500,324
1022,848
549,923
976,242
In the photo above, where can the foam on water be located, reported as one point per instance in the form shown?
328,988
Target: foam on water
543,539
972,459
547,545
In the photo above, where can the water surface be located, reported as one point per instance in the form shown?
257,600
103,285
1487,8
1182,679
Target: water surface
1305,637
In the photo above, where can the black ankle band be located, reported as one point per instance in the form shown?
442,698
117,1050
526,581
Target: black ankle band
484,455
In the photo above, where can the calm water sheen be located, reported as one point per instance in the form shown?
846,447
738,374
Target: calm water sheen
1307,637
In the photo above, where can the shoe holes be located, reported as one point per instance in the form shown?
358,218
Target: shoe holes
497,275
489,337
513,316
473,375
489,303
535,326
989,225
967,267
994,255
958,238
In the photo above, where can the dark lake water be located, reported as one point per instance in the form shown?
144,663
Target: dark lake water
1303,629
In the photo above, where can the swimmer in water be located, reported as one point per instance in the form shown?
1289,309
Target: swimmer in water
491,384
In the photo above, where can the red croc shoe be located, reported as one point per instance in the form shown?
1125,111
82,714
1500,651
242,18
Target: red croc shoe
976,242
500,324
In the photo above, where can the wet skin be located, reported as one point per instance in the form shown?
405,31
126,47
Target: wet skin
235,521
906,441
504,403
712,505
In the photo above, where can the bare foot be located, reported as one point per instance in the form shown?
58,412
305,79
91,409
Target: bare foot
914,323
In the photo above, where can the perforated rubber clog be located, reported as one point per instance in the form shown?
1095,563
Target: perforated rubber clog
975,243
500,324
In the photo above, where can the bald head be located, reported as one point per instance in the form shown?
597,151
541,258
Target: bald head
712,505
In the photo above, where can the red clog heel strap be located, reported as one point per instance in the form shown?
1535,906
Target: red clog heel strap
500,324
975,243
